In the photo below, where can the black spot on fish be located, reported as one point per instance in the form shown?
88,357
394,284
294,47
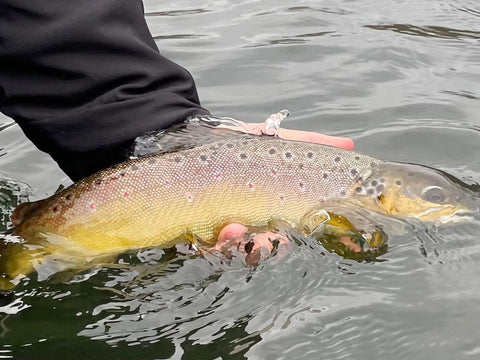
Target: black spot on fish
343,193
68,197
151,162
354,172
245,142
380,188
203,158
325,176
358,189
177,159
243,156
123,173
370,191
98,182
300,166
310,155
337,159
134,167
374,183
249,246
272,151
229,145
288,155
357,157
398,182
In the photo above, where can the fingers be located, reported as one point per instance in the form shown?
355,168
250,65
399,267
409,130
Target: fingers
234,238
309,136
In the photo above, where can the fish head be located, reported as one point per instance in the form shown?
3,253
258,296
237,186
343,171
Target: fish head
415,191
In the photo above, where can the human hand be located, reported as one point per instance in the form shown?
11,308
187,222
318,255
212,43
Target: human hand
234,238
308,136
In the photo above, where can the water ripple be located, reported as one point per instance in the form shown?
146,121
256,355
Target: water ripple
428,31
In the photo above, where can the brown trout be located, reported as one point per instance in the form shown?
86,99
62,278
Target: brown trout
163,199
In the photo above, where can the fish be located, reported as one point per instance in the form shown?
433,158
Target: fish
189,195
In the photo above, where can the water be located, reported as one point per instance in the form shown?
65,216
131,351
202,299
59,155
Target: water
402,79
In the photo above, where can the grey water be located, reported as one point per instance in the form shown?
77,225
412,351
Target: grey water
400,77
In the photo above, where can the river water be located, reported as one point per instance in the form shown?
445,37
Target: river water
402,78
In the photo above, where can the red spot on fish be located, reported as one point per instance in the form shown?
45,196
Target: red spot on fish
282,199
189,198
274,172
113,178
126,193
250,185
167,183
218,176
92,206
55,209
68,197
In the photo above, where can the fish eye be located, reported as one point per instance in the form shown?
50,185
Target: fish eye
434,194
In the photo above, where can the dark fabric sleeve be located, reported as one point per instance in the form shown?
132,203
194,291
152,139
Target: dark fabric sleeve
84,78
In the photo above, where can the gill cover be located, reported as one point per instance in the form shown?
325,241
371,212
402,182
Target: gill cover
408,190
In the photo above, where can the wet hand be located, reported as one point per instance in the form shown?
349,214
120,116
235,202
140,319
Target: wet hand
235,238
308,136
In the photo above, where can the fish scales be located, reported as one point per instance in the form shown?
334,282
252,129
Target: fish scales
152,201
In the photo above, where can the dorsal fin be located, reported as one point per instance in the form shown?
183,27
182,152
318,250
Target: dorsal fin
192,133
23,210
